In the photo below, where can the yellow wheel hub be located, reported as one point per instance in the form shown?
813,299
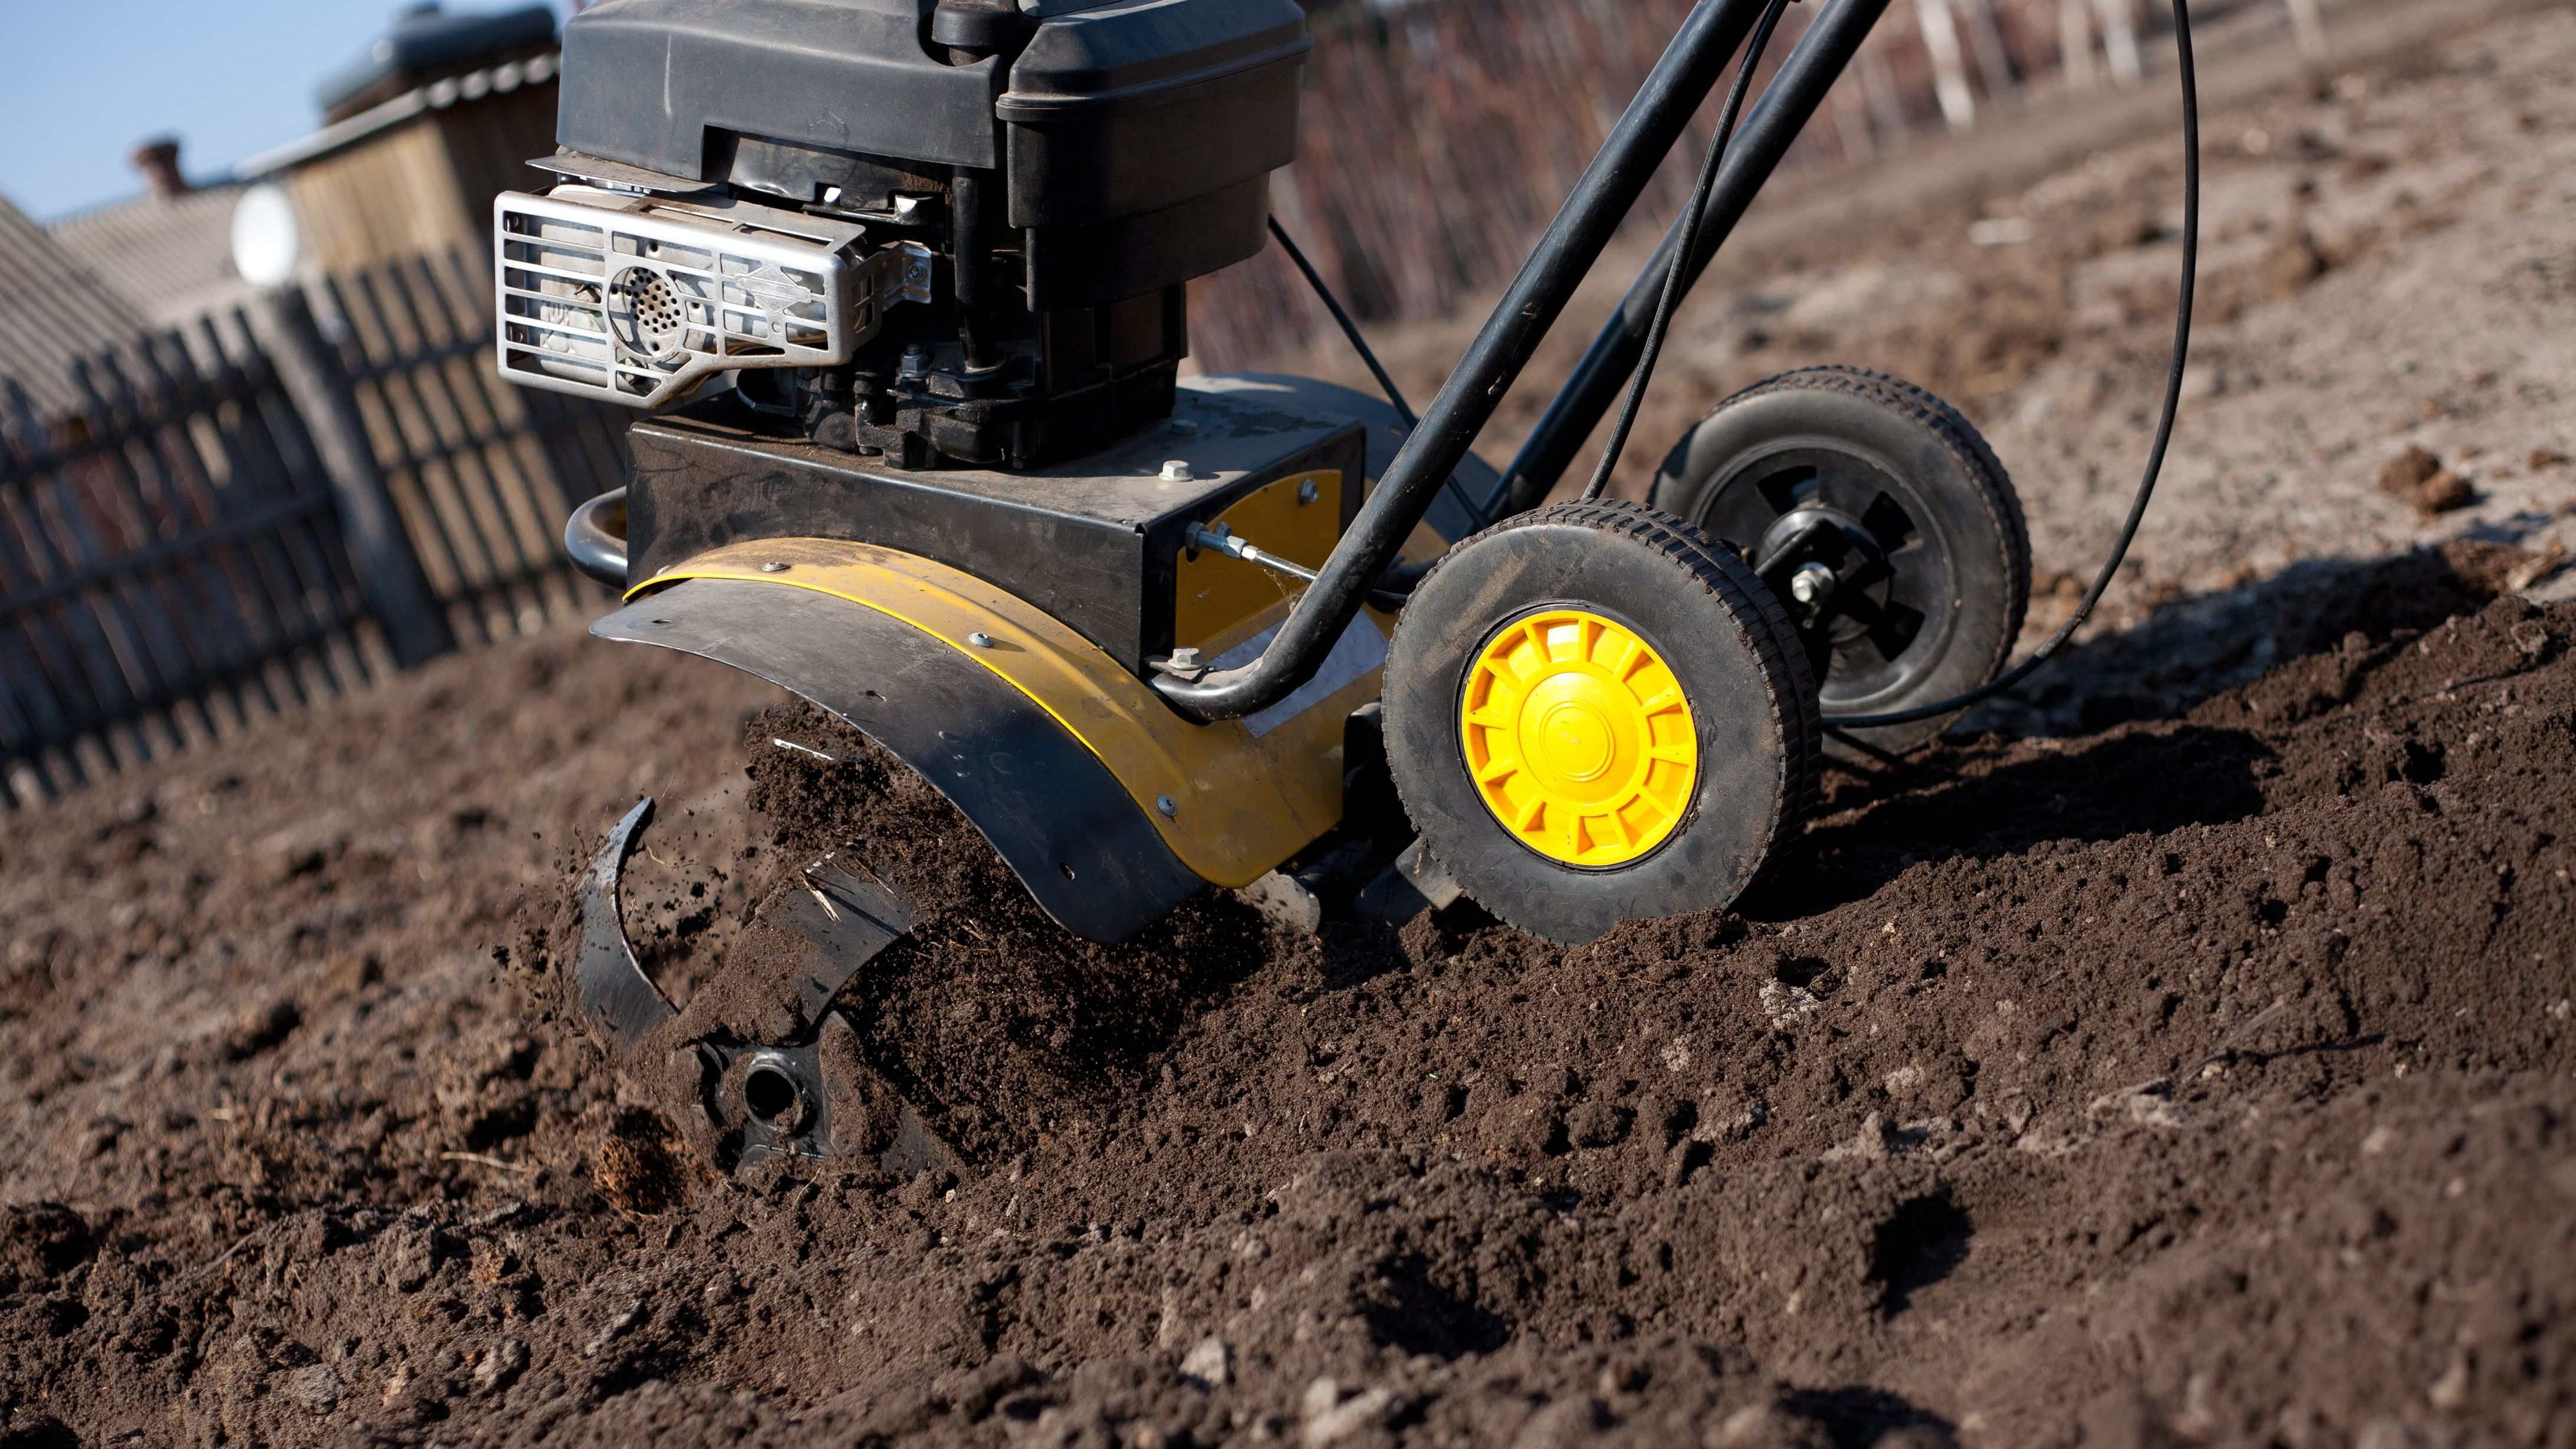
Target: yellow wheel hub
1579,738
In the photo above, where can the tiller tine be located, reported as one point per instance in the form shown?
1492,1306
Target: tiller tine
808,1092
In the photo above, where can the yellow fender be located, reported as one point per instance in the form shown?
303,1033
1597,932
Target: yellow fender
954,675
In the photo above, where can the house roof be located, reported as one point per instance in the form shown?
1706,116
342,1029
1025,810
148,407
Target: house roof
436,96
426,43
172,257
52,311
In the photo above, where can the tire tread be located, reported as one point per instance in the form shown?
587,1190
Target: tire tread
1976,457
1782,657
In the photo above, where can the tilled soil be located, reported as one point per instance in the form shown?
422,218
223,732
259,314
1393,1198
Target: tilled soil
2185,1056
2211,1077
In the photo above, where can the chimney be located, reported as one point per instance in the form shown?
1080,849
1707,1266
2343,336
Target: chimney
158,160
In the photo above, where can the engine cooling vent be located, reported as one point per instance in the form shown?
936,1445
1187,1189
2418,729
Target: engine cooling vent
638,300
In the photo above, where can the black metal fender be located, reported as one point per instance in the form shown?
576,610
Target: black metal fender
1047,804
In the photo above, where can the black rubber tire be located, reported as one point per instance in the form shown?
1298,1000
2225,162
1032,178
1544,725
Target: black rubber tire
1753,704
1953,489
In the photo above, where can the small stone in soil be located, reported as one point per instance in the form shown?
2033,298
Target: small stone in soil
624,1320
500,1365
1211,1363
317,1387
410,1256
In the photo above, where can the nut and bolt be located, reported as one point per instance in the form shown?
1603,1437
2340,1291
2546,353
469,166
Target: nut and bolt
1812,584
1177,471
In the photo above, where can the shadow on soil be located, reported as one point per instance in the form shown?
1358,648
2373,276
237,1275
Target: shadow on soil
2149,777
2151,782
1857,1417
2193,648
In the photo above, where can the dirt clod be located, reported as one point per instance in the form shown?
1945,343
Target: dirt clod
2405,475
2444,492
639,1165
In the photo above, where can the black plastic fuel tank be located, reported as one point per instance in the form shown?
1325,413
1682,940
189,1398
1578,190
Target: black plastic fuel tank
1141,138
1137,136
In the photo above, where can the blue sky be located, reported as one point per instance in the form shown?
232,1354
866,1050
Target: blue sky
82,80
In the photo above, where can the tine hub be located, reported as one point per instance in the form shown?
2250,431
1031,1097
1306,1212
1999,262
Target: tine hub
808,1093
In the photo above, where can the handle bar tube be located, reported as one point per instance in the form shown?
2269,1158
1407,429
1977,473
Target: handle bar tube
1788,104
1689,70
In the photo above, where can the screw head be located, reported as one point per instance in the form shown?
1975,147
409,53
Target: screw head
1308,492
980,639
774,567
1170,807
1177,471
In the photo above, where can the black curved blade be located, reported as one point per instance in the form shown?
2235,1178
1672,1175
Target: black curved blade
848,919
617,1001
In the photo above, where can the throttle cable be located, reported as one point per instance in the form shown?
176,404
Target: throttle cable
2164,426
1670,304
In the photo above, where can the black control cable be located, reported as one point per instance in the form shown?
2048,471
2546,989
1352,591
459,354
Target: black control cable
1677,278
1351,330
1670,304
2164,426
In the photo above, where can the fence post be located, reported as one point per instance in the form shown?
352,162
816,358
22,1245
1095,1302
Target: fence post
1986,40
1949,67
389,571
2075,42
2120,40
2311,28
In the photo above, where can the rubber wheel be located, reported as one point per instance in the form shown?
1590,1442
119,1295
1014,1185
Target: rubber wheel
1937,608
1629,693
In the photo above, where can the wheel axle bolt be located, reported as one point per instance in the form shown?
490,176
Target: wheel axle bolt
1812,584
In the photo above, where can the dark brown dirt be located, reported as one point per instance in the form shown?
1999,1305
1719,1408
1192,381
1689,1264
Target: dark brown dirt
2189,1056
2209,1077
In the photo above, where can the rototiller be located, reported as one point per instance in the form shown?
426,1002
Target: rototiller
906,282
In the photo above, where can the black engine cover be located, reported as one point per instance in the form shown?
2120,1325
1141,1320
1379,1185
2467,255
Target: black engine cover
1136,136
667,84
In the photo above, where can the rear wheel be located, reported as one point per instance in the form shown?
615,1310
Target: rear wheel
1596,714
1884,525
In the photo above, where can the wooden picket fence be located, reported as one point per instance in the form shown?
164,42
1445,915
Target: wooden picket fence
172,565
259,510
483,473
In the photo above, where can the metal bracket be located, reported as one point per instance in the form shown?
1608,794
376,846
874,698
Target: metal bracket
902,272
